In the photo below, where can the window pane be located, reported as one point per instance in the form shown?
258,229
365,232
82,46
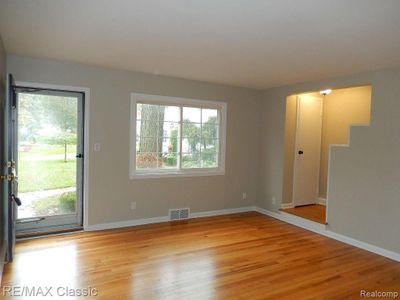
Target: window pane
209,116
169,160
147,144
190,145
138,127
191,160
146,160
149,128
172,114
210,144
170,129
209,159
191,130
157,130
191,114
138,111
169,145
149,111
209,131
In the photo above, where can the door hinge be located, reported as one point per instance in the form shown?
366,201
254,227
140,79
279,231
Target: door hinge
11,164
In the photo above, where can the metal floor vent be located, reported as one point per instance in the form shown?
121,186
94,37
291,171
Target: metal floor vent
179,214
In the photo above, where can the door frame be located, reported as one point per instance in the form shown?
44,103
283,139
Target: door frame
298,99
86,149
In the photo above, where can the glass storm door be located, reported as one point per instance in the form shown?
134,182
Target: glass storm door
49,147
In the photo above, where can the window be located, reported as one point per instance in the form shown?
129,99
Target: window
176,137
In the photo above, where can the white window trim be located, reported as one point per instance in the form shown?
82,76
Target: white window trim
188,102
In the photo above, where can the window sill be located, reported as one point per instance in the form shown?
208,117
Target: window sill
150,175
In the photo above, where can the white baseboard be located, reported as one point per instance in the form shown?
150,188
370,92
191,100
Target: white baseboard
298,221
154,220
221,212
129,223
287,205
322,229
321,201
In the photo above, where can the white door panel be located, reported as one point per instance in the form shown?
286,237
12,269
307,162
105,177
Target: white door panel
308,150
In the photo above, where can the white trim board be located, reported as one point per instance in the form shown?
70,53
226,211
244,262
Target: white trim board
161,219
319,200
322,229
287,205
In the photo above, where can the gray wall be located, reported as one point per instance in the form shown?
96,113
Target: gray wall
364,187
3,213
111,191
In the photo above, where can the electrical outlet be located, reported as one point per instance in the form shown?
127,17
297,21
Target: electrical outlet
133,205
273,200
244,196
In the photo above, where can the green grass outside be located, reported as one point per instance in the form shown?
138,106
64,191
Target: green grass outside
55,205
43,150
35,175
46,175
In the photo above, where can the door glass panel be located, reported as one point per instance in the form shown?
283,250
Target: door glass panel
47,148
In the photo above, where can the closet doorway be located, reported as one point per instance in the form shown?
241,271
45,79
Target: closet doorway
314,123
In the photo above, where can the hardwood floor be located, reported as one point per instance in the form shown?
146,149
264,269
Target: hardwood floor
239,256
315,212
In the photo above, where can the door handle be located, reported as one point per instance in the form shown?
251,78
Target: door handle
16,199
12,177
10,164
300,152
30,220
79,155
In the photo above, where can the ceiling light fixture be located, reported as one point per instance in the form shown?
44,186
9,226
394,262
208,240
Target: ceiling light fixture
326,92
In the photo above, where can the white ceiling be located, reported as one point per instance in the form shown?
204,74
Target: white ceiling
252,43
